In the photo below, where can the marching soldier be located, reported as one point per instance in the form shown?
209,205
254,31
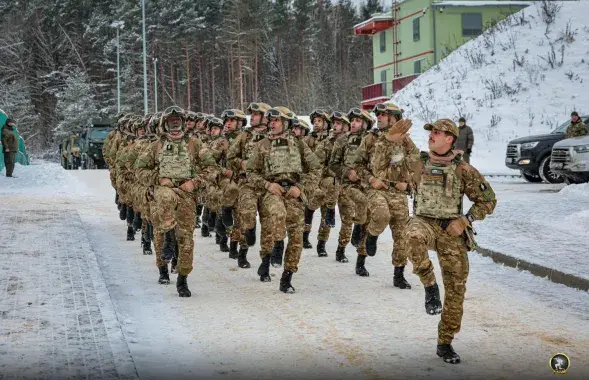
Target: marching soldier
442,179
173,167
278,165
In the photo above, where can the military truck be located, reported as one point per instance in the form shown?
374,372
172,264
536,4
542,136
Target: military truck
70,152
92,140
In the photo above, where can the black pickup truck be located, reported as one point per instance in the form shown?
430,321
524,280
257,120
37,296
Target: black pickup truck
531,154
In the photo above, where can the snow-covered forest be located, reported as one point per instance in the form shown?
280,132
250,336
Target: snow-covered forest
58,58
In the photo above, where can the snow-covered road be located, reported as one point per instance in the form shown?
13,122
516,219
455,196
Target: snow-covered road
337,325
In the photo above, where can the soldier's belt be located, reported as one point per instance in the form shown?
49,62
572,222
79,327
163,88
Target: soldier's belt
443,223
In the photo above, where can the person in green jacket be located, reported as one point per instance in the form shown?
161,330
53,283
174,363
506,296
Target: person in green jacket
9,146
577,127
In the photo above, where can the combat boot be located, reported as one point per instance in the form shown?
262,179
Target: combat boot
137,221
198,212
340,255
330,217
174,265
117,198
146,242
130,215
233,254
357,235
212,221
130,233
182,287
360,269
164,276
250,236
321,248
264,269
223,244
277,253
306,243
242,258
220,227
433,305
168,248
204,230
123,212
371,245
227,217
308,216
447,353
399,280
285,285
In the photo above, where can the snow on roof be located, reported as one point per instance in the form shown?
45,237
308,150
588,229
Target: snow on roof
375,17
458,3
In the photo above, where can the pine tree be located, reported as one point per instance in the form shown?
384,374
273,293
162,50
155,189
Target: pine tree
76,106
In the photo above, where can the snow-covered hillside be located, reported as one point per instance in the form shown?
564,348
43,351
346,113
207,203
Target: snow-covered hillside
524,76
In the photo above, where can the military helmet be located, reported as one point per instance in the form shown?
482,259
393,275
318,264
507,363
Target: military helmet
363,114
321,113
258,107
200,116
190,115
301,123
173,111
445,125
281,112
388,108
154,123
337,115
213,121
234,113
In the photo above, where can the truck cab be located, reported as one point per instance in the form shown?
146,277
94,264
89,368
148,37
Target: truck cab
93,138
531,155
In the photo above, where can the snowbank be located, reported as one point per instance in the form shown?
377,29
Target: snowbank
575,190
44,177
514,80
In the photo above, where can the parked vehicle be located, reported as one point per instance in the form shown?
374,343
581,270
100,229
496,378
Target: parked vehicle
531,154
83,150
570,159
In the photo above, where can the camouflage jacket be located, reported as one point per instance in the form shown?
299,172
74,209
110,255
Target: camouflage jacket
472,184
344,151
323,153
241,149
203,163
106,144
577,129
260,159
311,141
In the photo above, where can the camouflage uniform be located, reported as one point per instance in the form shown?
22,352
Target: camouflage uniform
285,160
180,160
577,129
441,182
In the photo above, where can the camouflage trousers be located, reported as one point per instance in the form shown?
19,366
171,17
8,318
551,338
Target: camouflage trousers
140,201
330,190
175,210
352,206
124,183
280,215
422,234
387,207
113,178
246,211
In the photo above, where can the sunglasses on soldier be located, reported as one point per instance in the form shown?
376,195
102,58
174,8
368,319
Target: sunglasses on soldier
379,107
356,112
337,115
273,113
253,107
228,113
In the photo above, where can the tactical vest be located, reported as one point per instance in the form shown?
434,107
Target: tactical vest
439,194
284,157
350,150
386,159
250,145
175,160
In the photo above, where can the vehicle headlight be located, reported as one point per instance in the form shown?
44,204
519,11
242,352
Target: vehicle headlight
530,145
581,148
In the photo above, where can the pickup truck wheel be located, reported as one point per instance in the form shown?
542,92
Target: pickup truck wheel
548,175
531,177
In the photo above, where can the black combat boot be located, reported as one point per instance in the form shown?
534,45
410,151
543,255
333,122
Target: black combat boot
223,244
277,253
164,276
399,280
330,217
250,236
306,243
168,248
433,305
146,242
233,254
198,212
227,217
264,269
212,221
285,285
130,233
242,258
220,227
447,353
371,245
340,254
357,235
117,199
308,216
182,287
360,269
217,238
321,248
174,265
137,221
204,230
150,231
130,215
123,212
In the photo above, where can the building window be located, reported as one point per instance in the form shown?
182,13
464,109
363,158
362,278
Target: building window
417,66
383,41
416,29
472,24
383,76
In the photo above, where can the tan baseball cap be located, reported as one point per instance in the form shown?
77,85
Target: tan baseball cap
446,125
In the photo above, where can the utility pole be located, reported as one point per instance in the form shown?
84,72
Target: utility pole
155,84
145,110
118,25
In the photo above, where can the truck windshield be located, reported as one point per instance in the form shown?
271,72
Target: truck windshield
563,127
99,134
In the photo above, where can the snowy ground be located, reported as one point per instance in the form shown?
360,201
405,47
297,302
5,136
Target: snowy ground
78,299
